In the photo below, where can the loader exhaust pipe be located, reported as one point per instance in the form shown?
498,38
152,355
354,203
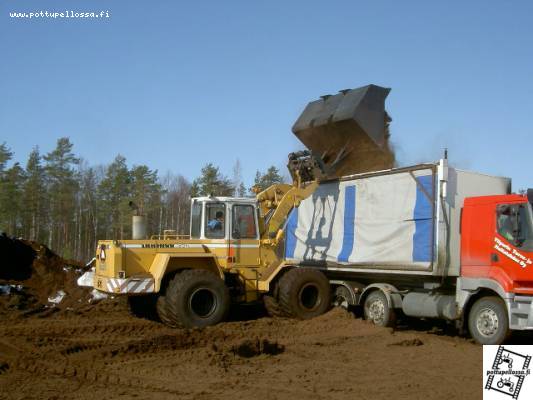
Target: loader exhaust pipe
138,227
348,131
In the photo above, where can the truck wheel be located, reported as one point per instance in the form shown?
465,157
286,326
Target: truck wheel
196,298
377,310
162,313
142,306
342,297
304,293
488,322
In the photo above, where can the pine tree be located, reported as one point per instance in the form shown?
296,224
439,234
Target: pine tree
269,178
146,195
62,189
114,196
212,182
87,215
11,200
34,197
5,155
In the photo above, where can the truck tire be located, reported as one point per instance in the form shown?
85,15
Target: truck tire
304,293
342,297
376,309
142,306
162,313
487,321
196,298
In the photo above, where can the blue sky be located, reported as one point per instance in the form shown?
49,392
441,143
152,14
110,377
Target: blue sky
176,84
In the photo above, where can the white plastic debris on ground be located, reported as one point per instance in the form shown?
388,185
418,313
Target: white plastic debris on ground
97,296
87,278
58,298
8,289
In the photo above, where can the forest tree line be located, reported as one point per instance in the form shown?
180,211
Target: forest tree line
59,200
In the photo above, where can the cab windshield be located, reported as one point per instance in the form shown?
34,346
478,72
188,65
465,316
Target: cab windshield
515,224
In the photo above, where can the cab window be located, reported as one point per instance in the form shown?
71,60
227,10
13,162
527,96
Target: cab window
515,224
215,221
243,222
196,220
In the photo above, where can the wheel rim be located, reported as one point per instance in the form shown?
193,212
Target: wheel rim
487,322
376,311
340,301
309,296
203,302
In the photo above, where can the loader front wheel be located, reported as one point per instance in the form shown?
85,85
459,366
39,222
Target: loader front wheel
304,293
162,313
196,298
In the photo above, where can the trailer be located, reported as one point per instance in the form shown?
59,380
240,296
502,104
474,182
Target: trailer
431,241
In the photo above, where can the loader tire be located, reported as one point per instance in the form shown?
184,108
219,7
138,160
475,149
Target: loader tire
197,298
162,313
273,307
488,322
142,306
304,293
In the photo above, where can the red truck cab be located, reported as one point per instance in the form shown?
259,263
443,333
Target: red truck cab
497,262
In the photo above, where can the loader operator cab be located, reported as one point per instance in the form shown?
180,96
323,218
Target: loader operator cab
227,218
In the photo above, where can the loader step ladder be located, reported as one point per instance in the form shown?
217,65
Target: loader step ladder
255,284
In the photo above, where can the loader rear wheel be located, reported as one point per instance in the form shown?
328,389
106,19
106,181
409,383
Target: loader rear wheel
377,310
162,313
271,303
196,298
304,293
487,321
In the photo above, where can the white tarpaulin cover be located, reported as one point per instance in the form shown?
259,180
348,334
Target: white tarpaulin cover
386,219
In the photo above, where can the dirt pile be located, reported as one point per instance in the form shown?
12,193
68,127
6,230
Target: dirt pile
102,352
31,275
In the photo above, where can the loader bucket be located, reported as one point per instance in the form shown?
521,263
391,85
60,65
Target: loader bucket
348,130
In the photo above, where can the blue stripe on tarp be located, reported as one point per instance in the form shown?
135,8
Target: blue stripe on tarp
349,224
423,218
290,233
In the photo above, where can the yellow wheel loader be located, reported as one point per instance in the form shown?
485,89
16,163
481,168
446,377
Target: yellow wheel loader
235,252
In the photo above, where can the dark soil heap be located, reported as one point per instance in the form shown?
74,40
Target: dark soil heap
36,273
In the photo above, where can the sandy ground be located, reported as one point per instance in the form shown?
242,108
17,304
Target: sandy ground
77,350
100,351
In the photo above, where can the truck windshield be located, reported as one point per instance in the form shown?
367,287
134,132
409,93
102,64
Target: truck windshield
525,226
515,224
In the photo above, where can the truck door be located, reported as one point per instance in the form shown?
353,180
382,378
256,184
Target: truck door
513,244
243,248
